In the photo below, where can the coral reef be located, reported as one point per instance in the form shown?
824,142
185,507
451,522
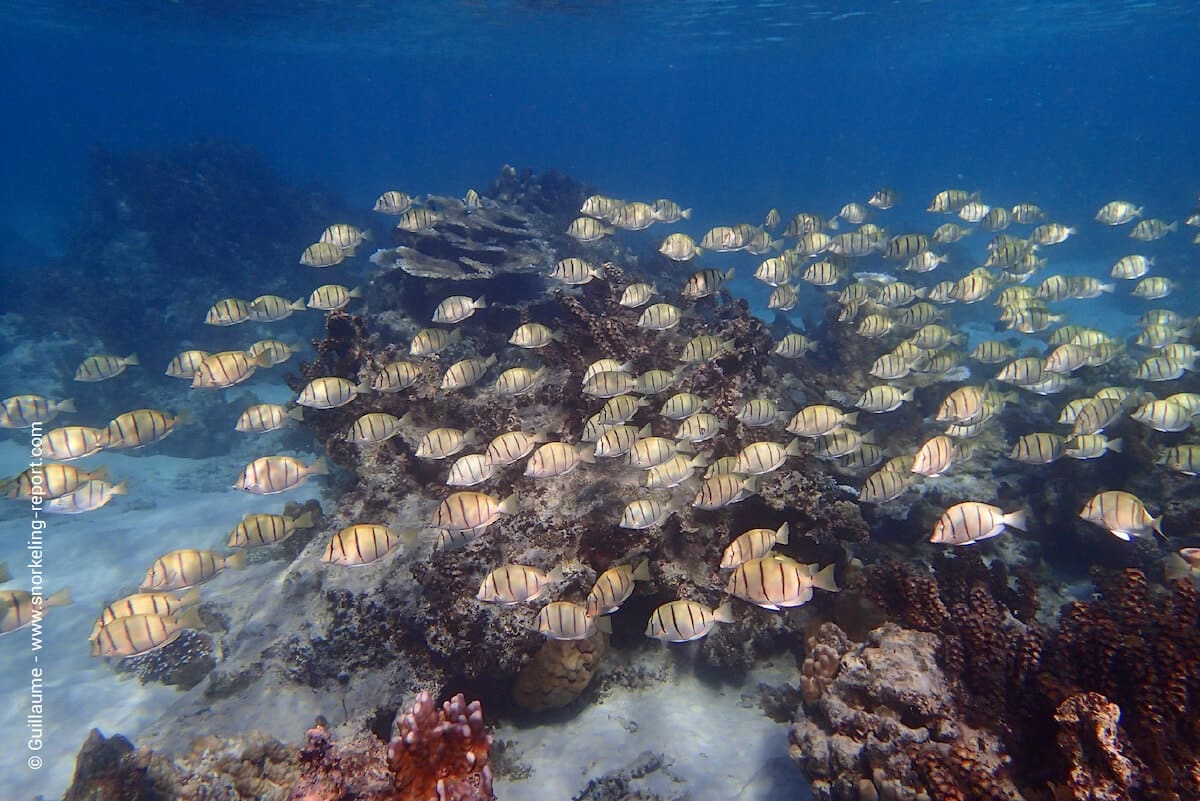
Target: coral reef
435,754
881,714
1089,734
559,672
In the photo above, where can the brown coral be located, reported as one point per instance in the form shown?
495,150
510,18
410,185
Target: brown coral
1089,735
560,671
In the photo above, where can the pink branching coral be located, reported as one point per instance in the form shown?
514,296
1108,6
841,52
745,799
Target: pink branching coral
435,754
441,754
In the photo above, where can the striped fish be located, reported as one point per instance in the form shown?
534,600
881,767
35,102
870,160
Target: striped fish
470,470
457,308
777,583
1039,448
432,341
818,420
558,459
563,620
617,440
87,497
613,586
364,543
273,350
330,392
101,368
653,451
705,282
475,511
1163,415
164,604
753,544
264,417
620,409
1123,514
680,247
793,346
514,584
660,317
22,411
188,567
935,457
332,297
765,457
441,443
373,428
141,634
586,229
268,475
885,485
185,364
467,372
1181,458
230,311
722,490
273,308
393,202
345,236
699,427
418,219
684,621
759,412
396,376
1091,446
682,405
609,384
322,254
140,428
644,513
533,336
72,442
512,446
705,348
227,368
50,480
518,380
17,607
673,472
653,382
969,522
256,530
574,271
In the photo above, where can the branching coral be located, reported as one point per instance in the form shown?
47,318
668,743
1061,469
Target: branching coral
441,753
435,754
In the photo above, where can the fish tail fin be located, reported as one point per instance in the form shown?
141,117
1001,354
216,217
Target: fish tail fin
67,405
60,598
191,597
130,360
304,521
510,505
408,537
480,302
1156,524
686,214
1115,445
298,305
99,474
556,574
724,613
850,419
189,618
794,448
586,452
1016,520
641,572
296,413
237,561
824,579
604,624
782,534
5,575
121,488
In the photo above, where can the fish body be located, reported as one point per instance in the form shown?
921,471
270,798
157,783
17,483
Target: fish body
685,621
268,475
968,523
187,567
1122,513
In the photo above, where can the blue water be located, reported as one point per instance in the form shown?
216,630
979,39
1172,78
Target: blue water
730,107
727,107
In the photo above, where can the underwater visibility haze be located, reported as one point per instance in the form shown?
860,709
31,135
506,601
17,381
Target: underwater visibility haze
600,400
